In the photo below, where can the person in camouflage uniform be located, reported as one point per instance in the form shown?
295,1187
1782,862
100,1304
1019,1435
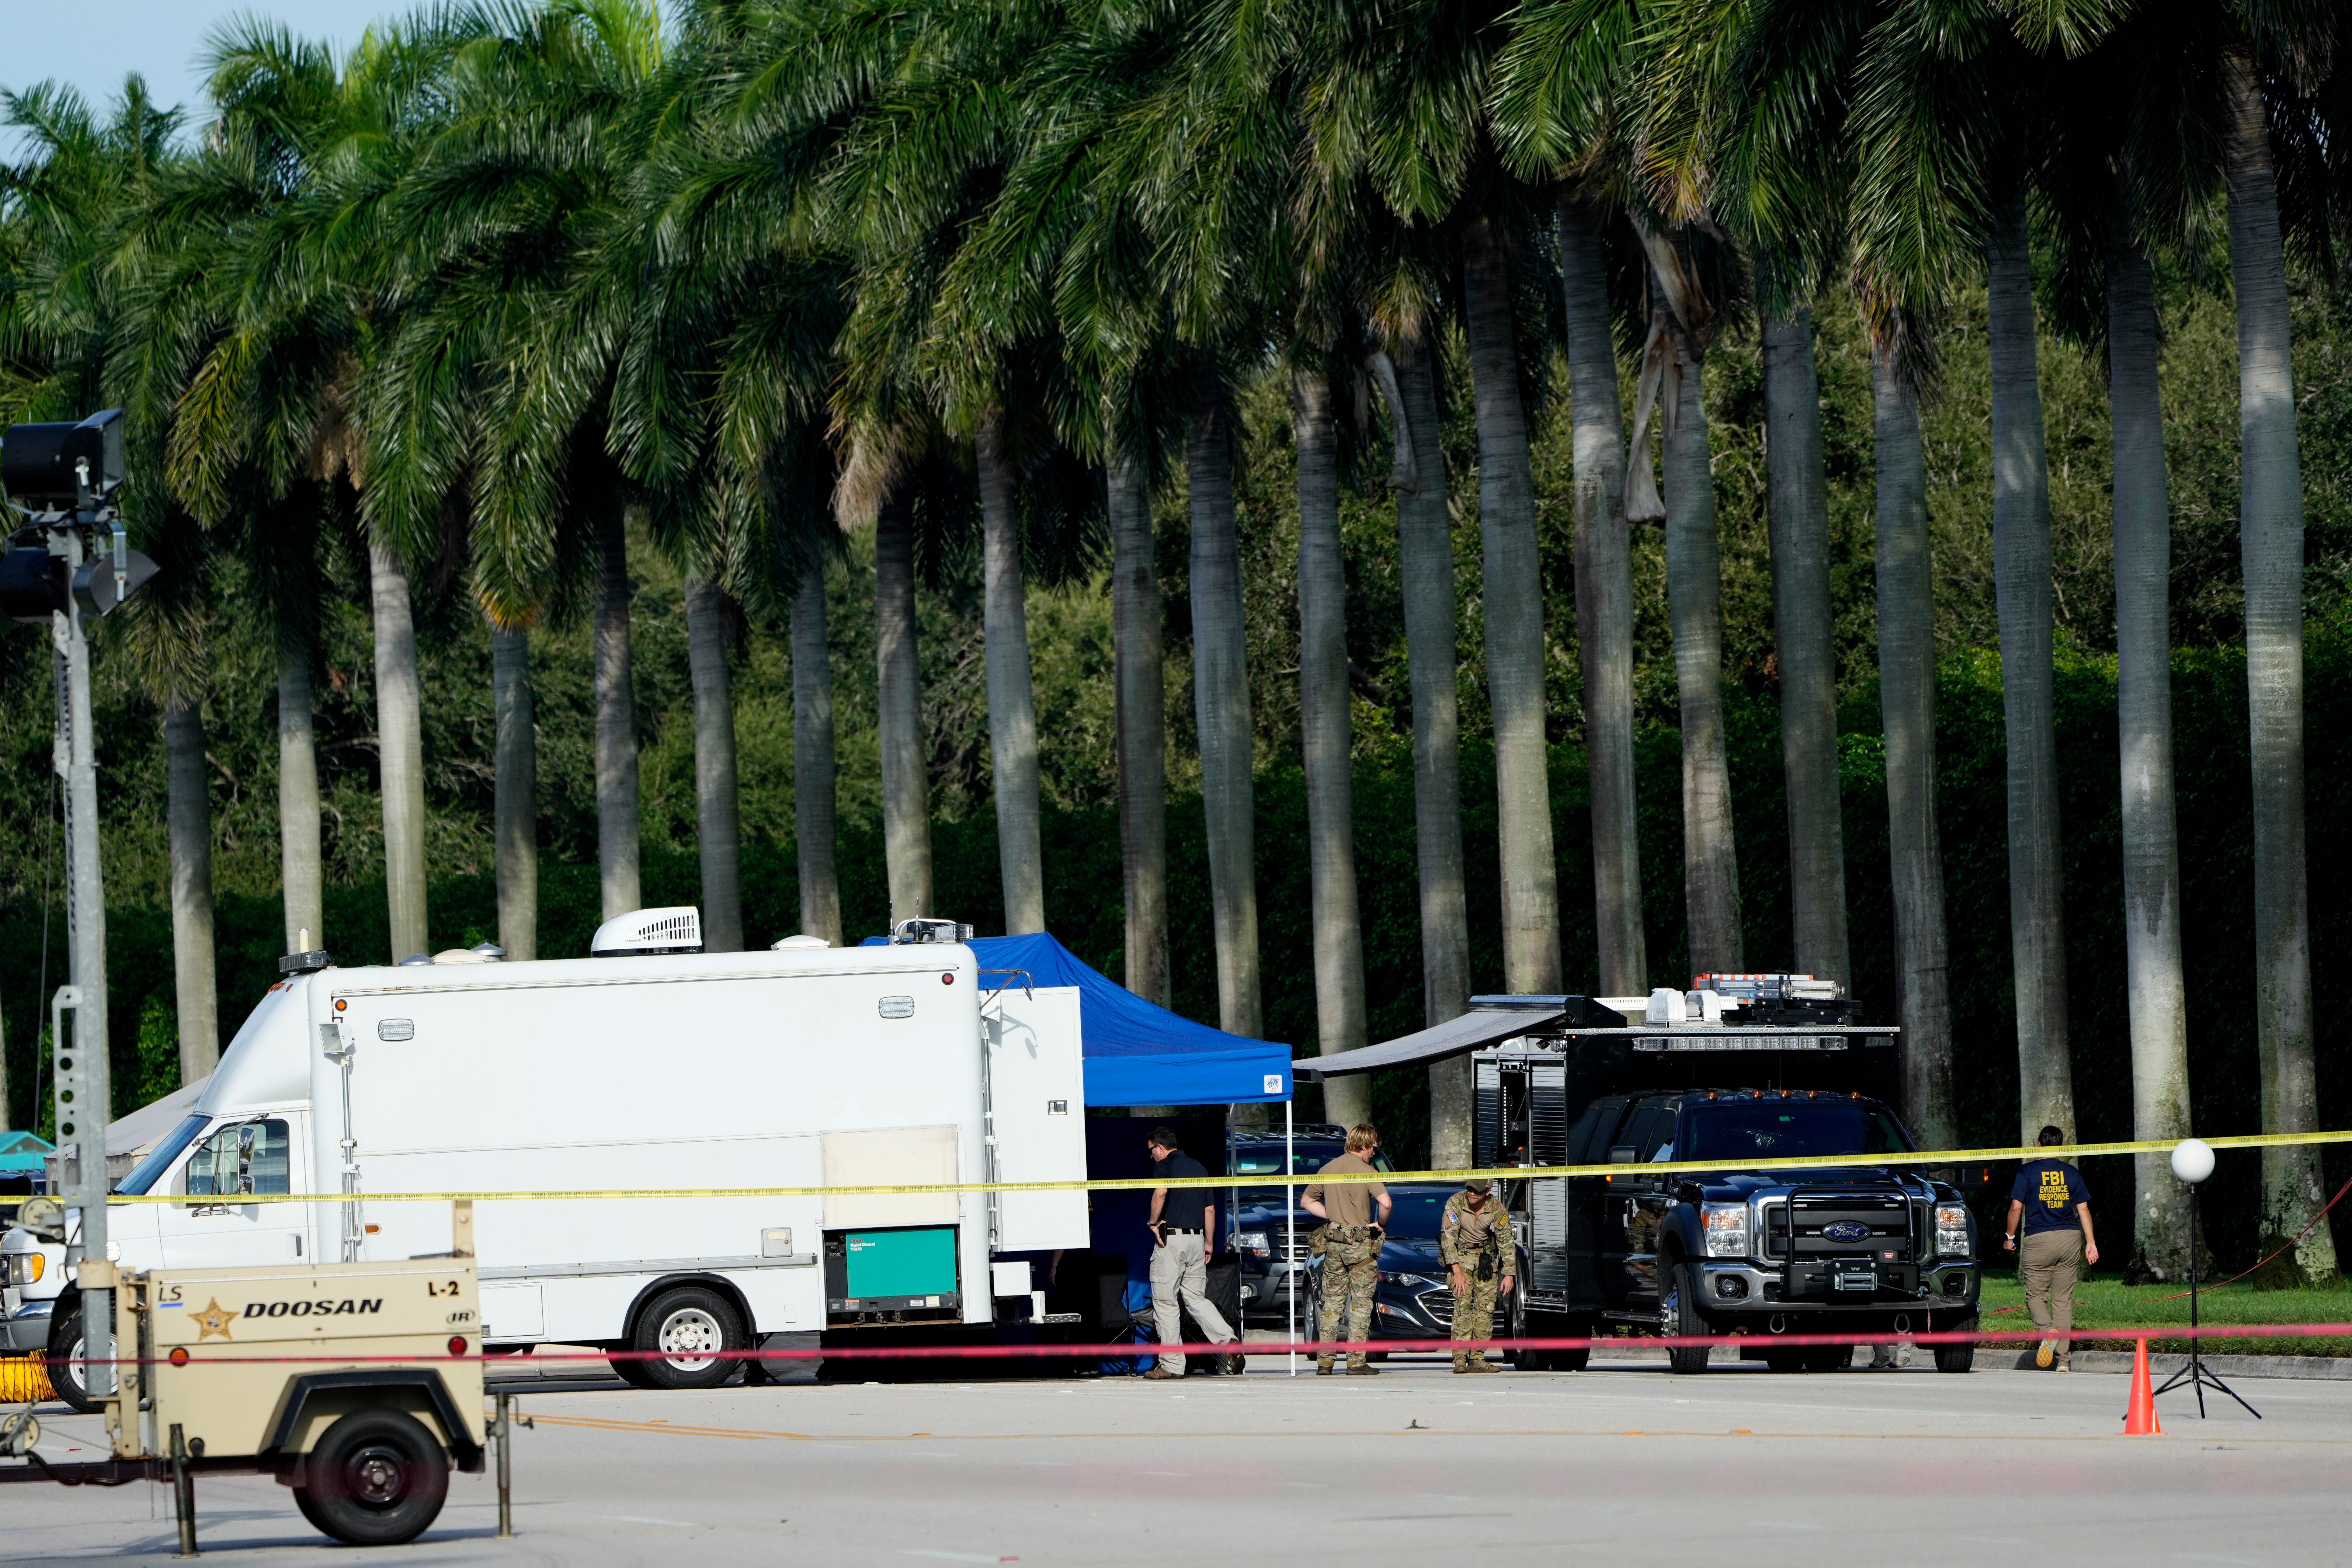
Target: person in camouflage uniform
1350,1244
1474,1240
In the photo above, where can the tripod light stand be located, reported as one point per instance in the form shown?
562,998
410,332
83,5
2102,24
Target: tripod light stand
2192,1162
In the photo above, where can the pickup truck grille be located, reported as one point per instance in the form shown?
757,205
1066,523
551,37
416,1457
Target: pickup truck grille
1823,1224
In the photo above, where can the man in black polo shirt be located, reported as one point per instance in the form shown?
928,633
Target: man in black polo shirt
1183,1229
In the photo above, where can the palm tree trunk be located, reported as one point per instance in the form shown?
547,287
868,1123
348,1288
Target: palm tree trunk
616,723
1142,728
1426,563
1514,621
1141,709
1798,495
515,804
195,988
1694,602
812,760
2270,538
1906,696
906,784
1327,742
2152,984
718,822
1221,706
1604,601
2020,539
399,723
301,879
1012,698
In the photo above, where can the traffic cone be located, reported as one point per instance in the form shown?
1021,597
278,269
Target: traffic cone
2139,1421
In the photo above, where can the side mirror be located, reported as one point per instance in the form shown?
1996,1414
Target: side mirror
1625,1154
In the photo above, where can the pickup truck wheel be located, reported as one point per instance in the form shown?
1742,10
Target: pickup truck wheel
1958,1358
376,1479
69,1371
694,1328
1678,1319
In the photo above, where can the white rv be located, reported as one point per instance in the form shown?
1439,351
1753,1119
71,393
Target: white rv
661,1071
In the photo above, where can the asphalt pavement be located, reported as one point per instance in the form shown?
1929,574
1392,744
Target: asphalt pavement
1619,1465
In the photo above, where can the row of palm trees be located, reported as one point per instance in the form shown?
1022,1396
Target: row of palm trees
508,278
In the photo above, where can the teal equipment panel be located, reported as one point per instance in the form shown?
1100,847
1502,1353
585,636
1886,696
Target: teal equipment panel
900,1262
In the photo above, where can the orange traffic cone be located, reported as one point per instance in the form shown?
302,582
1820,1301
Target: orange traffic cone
2139,1421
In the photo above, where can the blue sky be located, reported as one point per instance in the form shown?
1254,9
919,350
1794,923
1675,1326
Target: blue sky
93,46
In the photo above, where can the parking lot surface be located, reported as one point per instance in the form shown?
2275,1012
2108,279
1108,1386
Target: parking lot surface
1623,1464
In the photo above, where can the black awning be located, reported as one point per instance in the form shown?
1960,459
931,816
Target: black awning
1490,1018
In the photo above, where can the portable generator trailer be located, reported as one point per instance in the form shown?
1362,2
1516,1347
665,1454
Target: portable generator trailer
650,1072
358,1385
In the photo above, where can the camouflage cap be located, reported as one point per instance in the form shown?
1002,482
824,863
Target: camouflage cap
1478,1185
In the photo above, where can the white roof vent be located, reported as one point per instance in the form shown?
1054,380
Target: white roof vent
792,944
645,932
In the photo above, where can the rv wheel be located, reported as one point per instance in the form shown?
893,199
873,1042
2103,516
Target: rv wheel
376,1479
693,1328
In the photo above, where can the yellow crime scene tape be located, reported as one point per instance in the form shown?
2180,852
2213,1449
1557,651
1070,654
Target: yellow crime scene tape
1930,1158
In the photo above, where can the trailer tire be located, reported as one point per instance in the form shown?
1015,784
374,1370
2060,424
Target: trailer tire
697,1320
68,1375
376,1479
632,1372
1678,1319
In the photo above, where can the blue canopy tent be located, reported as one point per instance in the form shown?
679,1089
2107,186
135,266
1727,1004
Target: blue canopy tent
1137,1053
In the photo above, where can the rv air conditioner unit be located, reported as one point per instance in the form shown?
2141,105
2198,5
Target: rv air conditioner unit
644,933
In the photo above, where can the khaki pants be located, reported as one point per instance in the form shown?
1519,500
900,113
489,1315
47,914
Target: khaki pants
2048,1263
1179,1273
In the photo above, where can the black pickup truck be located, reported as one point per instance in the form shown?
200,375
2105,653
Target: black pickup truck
1886,1247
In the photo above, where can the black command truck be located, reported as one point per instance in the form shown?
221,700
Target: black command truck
1886,1247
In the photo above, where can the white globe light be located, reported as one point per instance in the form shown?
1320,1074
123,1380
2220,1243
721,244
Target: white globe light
2192,1159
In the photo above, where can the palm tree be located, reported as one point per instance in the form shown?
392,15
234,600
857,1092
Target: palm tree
906,784
1221,706
1325,703
1819,140
1560,113
1604,599
1513,602
1142,711
276,388
515,793
812,759
1425,572
1011,697
718,813
2020,532
1674,368
2255,71
1798,507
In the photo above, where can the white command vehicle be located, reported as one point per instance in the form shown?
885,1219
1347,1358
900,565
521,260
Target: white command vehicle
650,1073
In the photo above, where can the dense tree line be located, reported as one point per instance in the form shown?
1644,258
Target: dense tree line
472,320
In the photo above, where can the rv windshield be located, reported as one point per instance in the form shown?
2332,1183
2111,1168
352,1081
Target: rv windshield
148,1171
1782,1129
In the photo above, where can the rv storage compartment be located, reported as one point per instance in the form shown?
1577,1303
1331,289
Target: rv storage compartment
909,1274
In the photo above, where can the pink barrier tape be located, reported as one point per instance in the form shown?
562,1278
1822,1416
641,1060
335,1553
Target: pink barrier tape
1129,1349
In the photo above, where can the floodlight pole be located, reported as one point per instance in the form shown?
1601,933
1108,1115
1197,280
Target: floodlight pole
84,1094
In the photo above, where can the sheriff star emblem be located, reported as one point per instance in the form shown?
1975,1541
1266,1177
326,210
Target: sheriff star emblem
213,1321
